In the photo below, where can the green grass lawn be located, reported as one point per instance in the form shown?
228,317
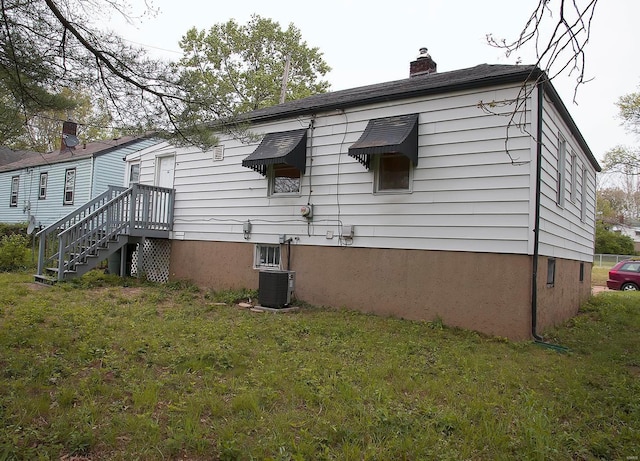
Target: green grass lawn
167,372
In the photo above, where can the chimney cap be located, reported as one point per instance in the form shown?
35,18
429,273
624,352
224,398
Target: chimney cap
424,53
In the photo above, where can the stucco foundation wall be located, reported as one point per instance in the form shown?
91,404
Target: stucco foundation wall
560,302
485,292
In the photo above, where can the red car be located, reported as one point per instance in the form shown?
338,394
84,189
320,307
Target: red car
625,276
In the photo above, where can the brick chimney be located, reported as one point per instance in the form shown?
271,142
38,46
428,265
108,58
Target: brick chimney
422,65
69,139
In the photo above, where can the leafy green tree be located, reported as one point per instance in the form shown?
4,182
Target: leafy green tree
626,159
235,68
42,131
49,45
609,242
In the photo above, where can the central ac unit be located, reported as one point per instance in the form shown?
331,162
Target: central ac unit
275,288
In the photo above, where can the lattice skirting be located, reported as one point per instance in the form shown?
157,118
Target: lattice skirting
155,260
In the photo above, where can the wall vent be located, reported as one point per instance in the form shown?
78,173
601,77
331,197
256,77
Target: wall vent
275,288
218,153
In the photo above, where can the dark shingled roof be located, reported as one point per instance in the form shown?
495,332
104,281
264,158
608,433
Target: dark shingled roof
90,149
481,76
9,155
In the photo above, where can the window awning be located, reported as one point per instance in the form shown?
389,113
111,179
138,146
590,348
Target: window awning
388,135
288,147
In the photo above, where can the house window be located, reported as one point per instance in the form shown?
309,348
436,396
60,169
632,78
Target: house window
42,190
574,179
551,272
15,185
560,180
583,193
69,186
284,179
134,174
393,173
267,256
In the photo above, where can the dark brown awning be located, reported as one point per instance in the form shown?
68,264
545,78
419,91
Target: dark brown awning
288,147
388,135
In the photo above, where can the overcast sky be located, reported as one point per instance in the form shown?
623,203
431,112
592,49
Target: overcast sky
368,42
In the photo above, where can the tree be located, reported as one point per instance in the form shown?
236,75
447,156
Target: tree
42,131
235,68
625,159
48,45
608,242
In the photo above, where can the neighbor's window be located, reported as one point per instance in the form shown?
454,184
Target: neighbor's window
42,190
393,173
15,185
560,180
69,186
284,179
551,272
134,174
267,256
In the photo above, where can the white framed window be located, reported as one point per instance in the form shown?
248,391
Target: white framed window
574,179
583,195
562,174
267,256
15,186
42,189
134,174
69,186
284,179
393,173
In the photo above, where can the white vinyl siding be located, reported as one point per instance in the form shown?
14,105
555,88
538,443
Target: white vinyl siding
568,231
466,193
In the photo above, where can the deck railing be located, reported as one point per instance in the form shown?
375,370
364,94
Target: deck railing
141,211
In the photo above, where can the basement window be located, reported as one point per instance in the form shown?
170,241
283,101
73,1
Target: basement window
551,272
267,257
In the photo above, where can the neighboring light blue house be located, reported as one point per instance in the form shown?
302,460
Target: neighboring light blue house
42,188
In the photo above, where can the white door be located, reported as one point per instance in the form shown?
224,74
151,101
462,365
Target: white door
165,168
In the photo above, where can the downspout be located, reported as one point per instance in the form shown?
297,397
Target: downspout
536,226
536,230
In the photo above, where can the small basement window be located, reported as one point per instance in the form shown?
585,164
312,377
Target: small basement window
551,272
267,256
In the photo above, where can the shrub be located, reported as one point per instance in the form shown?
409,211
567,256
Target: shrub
14,252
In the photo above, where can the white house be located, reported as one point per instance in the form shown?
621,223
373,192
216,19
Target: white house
46,187
467,196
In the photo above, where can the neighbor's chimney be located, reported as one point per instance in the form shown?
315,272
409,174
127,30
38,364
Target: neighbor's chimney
422,65
69,136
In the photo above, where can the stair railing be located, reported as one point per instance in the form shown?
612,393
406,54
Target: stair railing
140,210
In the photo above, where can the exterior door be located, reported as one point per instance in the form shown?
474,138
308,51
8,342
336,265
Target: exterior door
165,170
